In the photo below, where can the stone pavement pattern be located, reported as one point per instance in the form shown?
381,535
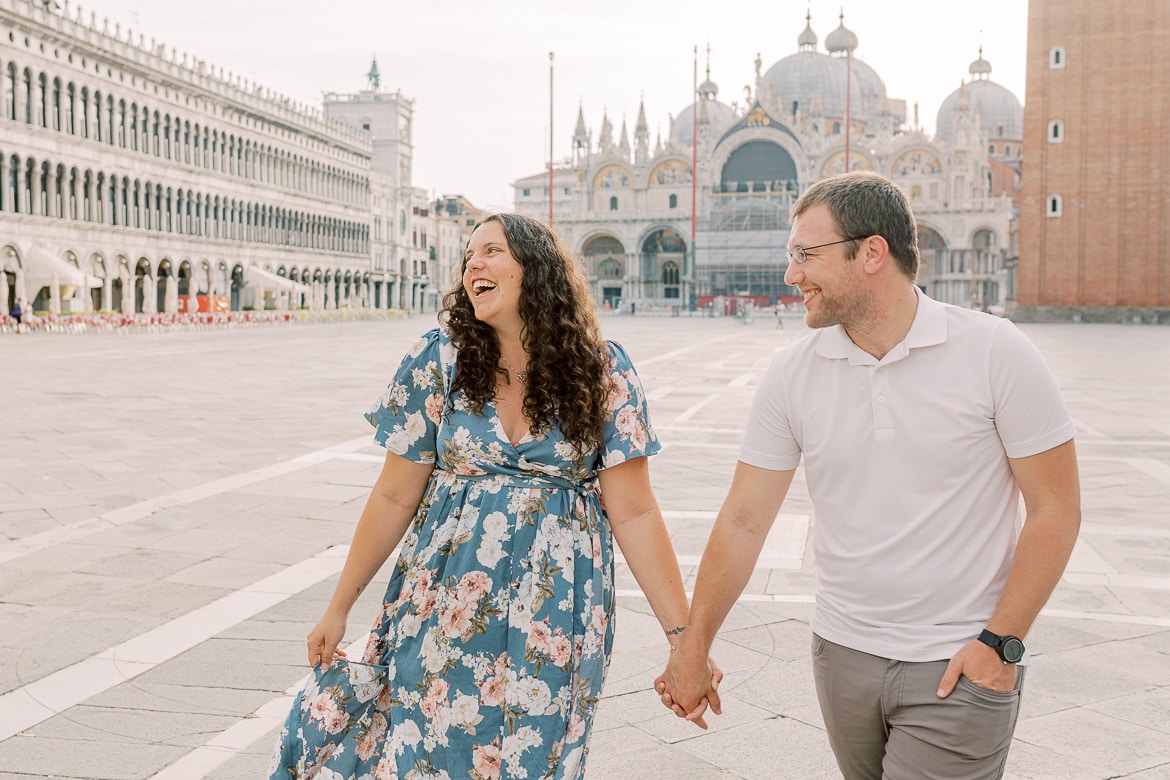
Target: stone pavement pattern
174,509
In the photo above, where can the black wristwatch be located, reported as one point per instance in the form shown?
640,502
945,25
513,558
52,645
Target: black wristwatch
1009,648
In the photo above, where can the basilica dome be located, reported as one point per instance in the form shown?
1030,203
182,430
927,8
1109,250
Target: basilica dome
721,115
809,79
1003,116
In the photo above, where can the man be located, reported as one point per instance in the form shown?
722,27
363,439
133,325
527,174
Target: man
921,425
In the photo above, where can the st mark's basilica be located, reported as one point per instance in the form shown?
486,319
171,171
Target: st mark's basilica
626,207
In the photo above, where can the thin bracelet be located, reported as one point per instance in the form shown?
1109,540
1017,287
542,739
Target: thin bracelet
676,630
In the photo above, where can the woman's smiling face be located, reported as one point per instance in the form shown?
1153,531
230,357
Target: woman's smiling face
492,276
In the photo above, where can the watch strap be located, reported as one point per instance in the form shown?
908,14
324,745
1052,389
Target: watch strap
990,639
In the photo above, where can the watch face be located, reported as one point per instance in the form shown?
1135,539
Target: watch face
1012,649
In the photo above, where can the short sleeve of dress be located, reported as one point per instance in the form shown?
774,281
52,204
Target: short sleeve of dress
406,417
628,433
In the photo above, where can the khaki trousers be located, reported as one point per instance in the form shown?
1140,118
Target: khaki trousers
885,720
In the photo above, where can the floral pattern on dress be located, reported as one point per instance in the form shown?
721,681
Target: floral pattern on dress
489,653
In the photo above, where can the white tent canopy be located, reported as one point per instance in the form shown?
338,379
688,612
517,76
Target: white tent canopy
42,265
265,278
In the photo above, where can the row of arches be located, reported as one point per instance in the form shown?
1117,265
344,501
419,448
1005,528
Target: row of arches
62,106
144,285
48,189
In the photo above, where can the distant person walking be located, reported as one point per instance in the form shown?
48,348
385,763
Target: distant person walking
921,426
779,315
504,429
23,314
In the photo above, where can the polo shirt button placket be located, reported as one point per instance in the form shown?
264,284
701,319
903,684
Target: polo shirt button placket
883,421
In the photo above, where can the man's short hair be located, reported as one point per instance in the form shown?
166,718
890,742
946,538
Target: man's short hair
863,203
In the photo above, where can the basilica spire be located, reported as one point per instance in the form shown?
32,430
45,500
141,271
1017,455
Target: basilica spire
641,135
580,132
605,141
624,141
582,141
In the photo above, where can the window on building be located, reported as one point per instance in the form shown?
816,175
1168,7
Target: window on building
1007,149
526,192
991,149
568,191
1055,131
670,272
1055,206
836,128
1056,58
670,279
674,201
613,204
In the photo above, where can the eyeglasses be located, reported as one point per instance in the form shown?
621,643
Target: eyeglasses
799,254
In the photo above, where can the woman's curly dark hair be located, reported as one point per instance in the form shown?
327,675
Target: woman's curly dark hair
568,360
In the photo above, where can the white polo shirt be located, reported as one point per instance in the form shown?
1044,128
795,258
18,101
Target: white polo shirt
916,510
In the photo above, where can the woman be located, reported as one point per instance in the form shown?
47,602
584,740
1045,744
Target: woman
505,429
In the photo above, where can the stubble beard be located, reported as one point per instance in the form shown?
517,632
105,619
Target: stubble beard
852,308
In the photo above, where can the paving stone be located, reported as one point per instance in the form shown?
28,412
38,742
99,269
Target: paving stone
107,759
1097,740
627,753
758,750
197,700
132,726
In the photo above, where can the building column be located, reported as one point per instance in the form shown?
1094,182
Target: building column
34,192
51,196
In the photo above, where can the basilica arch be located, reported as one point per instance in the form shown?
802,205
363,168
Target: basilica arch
757,166
989,277
663,266
933,257
605,264
758,179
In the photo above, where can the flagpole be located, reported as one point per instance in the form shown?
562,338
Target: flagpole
550,139
694,162
848,96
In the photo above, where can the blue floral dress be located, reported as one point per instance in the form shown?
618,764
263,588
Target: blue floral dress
488,656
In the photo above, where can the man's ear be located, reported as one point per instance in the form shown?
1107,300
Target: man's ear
875,254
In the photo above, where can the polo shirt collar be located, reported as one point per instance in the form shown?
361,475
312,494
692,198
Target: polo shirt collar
929,328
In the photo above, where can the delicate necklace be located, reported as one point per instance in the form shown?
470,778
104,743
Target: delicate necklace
520,376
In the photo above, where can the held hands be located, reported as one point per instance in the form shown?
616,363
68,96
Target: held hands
323,639
979,664
689,685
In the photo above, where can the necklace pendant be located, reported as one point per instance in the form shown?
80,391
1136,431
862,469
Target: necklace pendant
520,375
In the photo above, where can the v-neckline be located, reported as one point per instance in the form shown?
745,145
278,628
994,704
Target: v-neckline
527,436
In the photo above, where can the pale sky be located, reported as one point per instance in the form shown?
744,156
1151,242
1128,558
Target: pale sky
479,72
